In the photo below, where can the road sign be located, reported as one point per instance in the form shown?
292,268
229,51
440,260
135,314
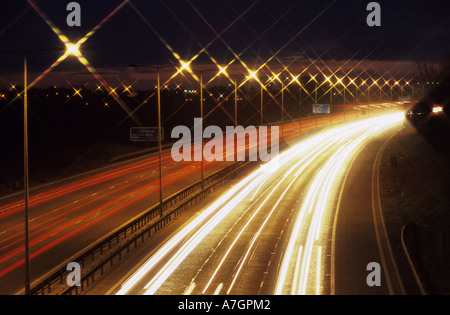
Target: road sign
146,134
321,109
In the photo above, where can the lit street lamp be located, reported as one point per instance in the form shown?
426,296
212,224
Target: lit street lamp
253,75
221,71
25,154
157,68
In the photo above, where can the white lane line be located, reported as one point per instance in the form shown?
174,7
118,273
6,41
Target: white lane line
190,289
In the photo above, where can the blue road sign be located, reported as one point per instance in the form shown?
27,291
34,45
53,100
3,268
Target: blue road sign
146,134
321,109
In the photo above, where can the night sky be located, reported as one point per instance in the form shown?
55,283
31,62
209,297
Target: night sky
154,32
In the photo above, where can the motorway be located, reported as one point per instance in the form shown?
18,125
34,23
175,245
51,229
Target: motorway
277,229
68,216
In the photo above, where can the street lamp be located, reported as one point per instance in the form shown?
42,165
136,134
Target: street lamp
328,79
222,70
158,68
340,81
313,77
25,154
363,83
352,82
296,80
276,77
26,180
253,75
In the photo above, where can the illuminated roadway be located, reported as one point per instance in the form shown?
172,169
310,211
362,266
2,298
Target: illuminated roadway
271,232
69,215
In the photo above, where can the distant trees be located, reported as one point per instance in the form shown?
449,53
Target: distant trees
434,71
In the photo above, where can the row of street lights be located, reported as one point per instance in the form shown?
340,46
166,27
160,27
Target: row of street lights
70,50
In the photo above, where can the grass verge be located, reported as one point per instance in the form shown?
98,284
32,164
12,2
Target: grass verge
415,190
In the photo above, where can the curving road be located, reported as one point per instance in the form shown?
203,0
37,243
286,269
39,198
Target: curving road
272,231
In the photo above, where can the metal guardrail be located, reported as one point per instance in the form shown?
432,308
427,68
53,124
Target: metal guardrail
133,233
129,236
408,255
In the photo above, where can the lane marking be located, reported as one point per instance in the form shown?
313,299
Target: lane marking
380,227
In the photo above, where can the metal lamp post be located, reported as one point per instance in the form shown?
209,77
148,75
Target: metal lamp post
25,157
158,68
202,116
26,183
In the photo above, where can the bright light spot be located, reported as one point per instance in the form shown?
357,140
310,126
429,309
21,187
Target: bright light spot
73,49
222,70
185,66
294,78
77,92
252,74
438,109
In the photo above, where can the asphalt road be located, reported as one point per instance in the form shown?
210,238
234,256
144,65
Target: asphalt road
67,216
360,237
271,232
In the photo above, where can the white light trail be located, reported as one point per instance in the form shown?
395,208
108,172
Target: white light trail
176,249
315,203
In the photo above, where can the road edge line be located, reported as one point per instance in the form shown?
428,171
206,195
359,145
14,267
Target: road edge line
376,207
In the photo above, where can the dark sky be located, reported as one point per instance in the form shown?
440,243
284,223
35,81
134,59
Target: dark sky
142,32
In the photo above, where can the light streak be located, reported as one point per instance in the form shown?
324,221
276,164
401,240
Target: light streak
154,284
199,227
319,194
228,202
319,257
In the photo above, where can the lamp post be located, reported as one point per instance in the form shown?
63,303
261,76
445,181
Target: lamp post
272,79
380,91
26,182
25,53
158,68
262,102
235,102
253,75
201,128
345,88
331,95
282,109
221,70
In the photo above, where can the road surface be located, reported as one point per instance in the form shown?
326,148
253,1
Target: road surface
69,215
272,231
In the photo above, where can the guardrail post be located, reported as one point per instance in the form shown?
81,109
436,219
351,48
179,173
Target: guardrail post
443,248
